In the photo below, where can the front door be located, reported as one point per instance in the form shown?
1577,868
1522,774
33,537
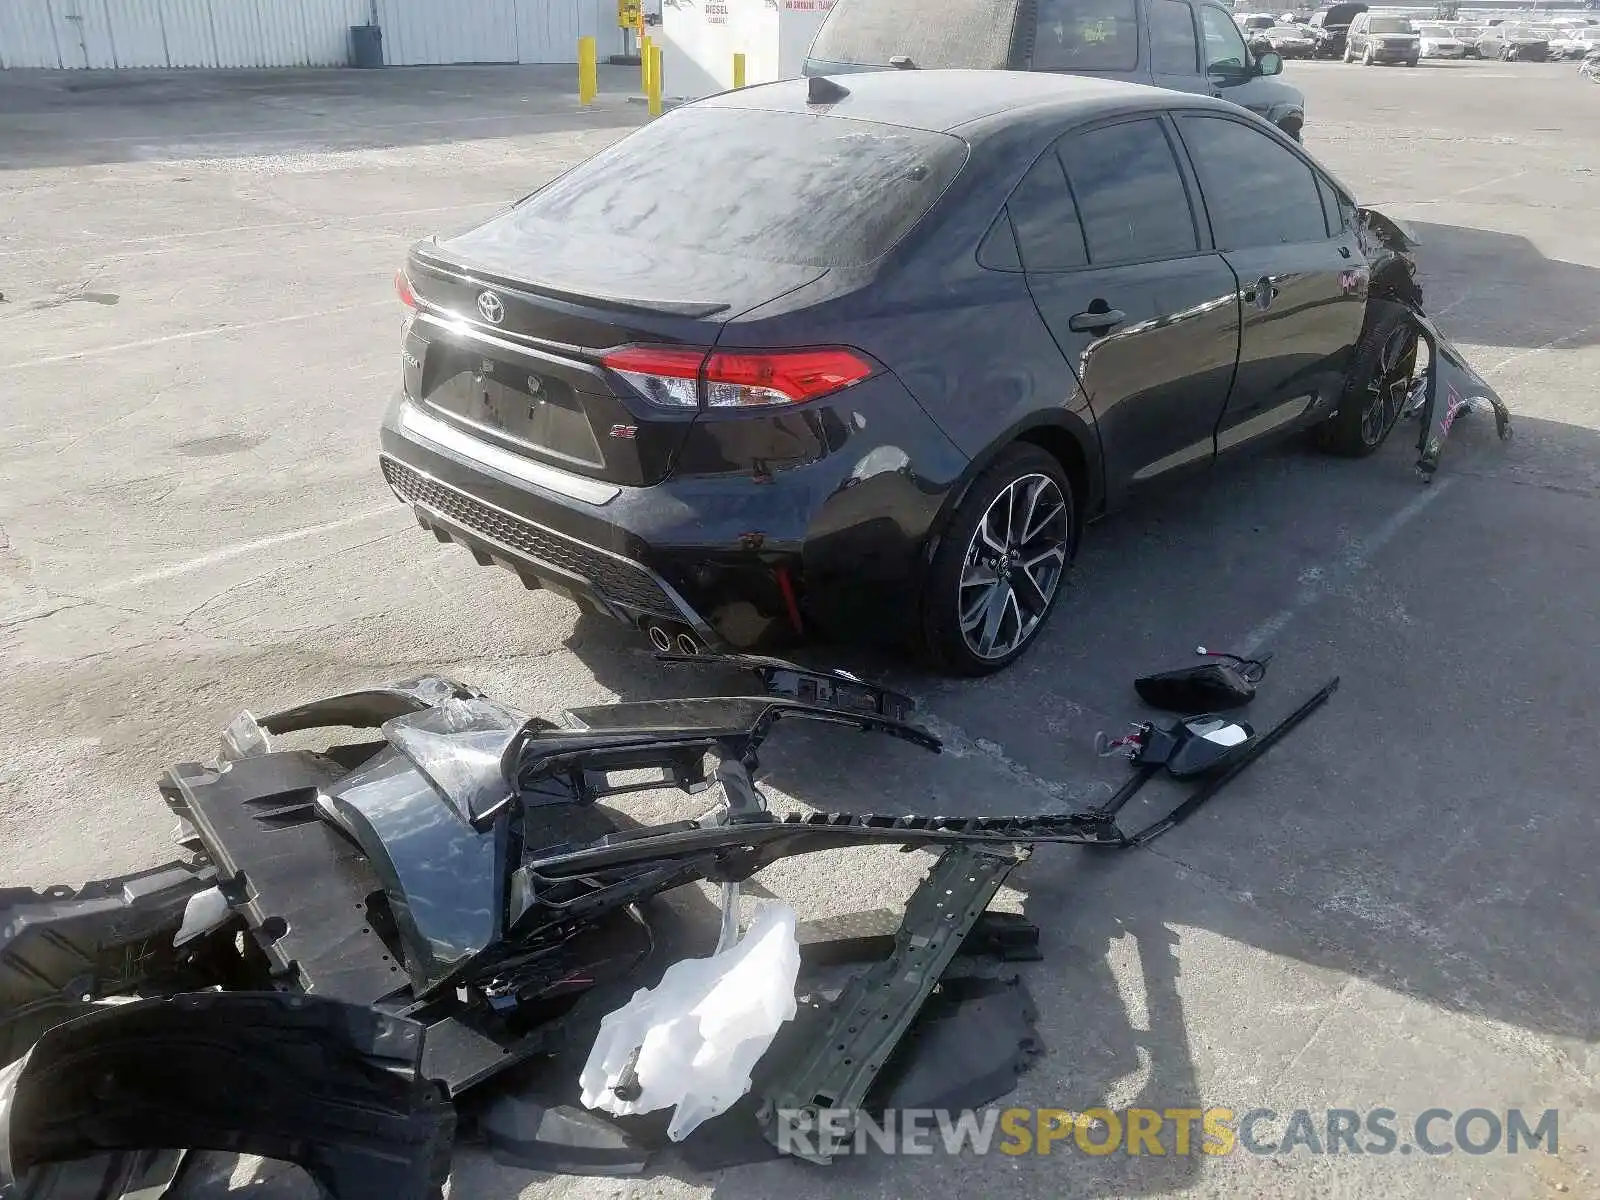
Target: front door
1229,70
1301,274
1147,316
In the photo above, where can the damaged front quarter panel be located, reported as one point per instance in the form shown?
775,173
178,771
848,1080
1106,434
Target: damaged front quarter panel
1450,387
333,1088
1390,248
1447,390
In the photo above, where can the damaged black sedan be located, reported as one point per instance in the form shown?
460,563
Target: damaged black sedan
866,354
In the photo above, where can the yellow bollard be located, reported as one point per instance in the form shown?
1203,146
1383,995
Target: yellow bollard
738,70
644,63
654,94
588,70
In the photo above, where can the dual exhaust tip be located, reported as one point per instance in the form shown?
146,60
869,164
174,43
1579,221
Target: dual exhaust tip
668,641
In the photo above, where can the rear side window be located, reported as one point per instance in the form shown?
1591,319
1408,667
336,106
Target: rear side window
1174,49
1049,237
1086,35
1257,192
808,190
1130,194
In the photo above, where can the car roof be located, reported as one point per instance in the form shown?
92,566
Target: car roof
944,100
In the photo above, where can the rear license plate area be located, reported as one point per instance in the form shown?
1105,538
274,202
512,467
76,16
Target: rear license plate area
516,406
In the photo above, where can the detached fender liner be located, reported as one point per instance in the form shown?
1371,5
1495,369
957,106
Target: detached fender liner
333,1088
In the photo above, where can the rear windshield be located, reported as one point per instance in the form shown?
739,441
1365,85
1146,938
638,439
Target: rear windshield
774,186
1086,35
1391,25
977,34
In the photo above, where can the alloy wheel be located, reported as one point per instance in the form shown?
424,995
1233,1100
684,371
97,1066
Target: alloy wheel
1013,566
1390,385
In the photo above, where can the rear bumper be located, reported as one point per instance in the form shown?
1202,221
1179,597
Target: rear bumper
616,586
727,556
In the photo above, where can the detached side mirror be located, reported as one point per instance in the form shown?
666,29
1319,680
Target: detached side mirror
1270,63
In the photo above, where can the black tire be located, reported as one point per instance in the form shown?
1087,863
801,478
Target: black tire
944,645
1374,393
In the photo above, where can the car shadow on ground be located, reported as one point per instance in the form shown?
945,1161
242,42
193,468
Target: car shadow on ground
1499,289
97,118
1388,841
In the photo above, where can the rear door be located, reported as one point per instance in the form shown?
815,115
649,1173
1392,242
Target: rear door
1143,310
1358,35
1175,47
1301,273
1089,37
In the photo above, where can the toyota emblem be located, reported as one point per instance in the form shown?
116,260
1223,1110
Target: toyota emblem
491,308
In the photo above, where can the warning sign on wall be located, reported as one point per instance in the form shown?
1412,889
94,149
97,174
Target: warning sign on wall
627,13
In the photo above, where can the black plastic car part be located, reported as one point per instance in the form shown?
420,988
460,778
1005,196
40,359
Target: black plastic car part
827,688
333,1088
61,949
1224,683
874,1011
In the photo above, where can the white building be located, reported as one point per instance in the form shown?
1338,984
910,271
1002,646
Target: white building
297,33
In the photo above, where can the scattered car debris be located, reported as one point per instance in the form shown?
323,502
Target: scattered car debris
381,927
1448,389
334,1088
691,1042
1227,682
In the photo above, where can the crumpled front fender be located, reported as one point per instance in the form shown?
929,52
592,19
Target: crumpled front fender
1449,388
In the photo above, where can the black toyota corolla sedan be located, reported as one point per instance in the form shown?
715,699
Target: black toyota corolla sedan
864,354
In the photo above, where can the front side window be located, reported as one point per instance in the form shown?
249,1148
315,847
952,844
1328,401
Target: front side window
1087,35
1174,49
1130,193
1225,50
1257,192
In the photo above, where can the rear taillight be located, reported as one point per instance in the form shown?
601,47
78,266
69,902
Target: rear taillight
402,287
662,375
672,376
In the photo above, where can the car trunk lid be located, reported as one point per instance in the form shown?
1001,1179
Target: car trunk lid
515,316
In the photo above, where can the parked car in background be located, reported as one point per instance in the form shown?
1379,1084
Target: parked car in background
881,391
1577,43
1255,21
1182,45
1468,35
1440,41
1289,41
1514,43
1383,40
1331,26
